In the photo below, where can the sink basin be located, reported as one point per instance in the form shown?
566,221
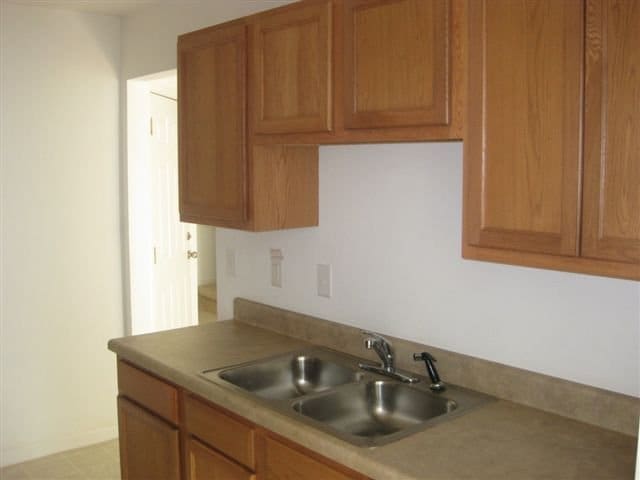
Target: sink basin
328,391
290,376
375,409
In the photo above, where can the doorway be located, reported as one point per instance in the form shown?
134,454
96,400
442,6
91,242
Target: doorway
165,255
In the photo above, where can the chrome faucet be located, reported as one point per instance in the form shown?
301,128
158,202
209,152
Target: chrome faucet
382,347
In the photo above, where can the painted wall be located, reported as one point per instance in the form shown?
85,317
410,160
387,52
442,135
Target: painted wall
149,36
61,275
390,221
390,226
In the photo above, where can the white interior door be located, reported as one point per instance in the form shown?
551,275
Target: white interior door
175,277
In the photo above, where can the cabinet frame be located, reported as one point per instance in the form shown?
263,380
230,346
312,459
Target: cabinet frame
241,457
456,85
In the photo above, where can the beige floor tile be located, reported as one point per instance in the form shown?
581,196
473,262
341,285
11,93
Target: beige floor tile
95,462
206,317
54,467
13,472
102,471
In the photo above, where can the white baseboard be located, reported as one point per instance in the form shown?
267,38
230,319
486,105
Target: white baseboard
22,453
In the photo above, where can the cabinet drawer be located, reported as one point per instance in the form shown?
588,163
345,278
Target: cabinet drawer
215,427
207,464
279,461
145,389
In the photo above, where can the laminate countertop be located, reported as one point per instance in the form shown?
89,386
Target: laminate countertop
499,440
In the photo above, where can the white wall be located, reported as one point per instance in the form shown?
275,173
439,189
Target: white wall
390,221
390,225
61,275
149,37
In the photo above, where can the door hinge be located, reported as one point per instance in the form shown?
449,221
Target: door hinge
155,255
151,126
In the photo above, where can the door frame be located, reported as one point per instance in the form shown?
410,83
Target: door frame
137,236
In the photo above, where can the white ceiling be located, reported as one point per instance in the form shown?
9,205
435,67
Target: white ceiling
105,7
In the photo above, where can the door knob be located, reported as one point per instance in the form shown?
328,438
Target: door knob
192,254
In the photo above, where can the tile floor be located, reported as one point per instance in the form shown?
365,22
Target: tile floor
95,462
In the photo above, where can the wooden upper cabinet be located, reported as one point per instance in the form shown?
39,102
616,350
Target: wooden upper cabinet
291,70
396,63
523,142
611,192
212,70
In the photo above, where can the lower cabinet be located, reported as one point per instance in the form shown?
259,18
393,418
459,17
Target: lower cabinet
168,433
149,446
207,464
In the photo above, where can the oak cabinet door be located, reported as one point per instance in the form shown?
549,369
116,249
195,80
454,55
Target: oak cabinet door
611,192
291,70
396,64
523,144
207,464
149,446
212,107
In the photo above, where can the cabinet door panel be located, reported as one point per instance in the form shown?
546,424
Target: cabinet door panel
212,106
149,447
207,464
396,63
291,70
611,194
522,149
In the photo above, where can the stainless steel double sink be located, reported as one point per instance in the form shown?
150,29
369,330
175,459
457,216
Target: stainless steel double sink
327,390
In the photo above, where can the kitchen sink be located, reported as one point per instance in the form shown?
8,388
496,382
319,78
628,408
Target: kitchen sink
327,390
292,375
375,409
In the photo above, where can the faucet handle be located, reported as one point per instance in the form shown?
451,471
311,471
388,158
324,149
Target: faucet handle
375,336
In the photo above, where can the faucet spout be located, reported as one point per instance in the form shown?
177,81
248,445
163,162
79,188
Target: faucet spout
382,347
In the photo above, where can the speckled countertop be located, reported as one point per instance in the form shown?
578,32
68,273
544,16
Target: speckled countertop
500,440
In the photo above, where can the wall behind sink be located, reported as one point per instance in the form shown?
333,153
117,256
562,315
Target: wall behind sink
390,226
390,219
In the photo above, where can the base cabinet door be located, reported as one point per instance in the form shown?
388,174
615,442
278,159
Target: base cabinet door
207,464
149,446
